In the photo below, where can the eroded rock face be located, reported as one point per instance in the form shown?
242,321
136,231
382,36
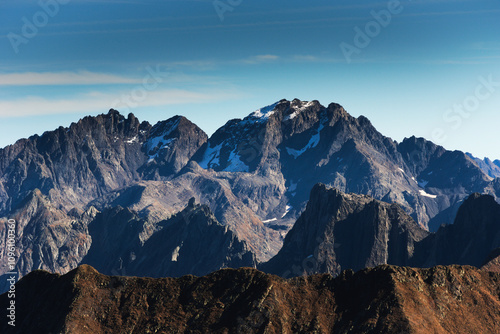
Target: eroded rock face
46,238
385,299
293,145
340,231
118,241
74,165
190,242
472,238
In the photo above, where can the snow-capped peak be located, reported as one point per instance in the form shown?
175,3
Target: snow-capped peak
296,107
263,114
158,138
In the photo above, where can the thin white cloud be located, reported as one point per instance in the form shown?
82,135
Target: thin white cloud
315,59
259,59
63,78
485,46
125,101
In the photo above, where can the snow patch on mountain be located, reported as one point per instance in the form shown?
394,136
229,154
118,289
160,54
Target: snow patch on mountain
235,163
160,145
423,193
261,115
211,157
175,253
297,110
288,208
159,134
132,140
313,142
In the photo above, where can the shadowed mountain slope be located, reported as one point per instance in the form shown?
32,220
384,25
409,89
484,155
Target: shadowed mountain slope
340,231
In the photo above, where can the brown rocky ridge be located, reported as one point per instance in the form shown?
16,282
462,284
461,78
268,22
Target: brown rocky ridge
385,299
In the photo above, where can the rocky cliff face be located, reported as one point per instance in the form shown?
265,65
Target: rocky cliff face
340,231
73,165
46,237
472,238
190,242
385,299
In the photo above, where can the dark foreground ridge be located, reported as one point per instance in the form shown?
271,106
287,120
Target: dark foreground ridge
385,299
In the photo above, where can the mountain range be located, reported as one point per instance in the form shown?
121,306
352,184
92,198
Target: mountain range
121,195
492,168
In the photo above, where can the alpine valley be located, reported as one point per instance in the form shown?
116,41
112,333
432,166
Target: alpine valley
293,188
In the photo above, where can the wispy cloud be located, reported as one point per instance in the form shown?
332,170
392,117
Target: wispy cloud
63,78
315,59
95,101
485,46
259,59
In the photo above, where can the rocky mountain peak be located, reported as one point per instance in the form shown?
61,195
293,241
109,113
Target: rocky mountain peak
418,152
263,168
489,167
170,145
340,231
113,124
160,135
477,212
250,144
469,240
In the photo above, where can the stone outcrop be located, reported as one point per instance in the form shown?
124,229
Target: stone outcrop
190,242
340,231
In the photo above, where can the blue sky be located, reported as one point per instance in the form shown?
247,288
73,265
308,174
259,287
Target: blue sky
429,68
